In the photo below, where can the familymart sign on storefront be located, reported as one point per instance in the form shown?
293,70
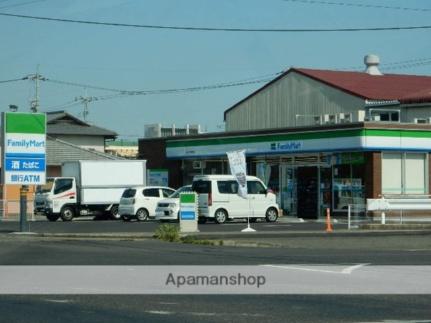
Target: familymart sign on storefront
306,142
24,148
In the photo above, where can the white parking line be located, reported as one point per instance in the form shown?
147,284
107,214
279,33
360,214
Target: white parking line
344,271
160,312
58,300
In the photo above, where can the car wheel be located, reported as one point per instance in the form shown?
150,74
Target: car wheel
52,217
114,213
220,216
67,213
142,215
271,215
125,218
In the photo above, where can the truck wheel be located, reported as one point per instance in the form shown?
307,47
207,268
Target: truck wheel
220,216
271,215
67,213
114,213
52,217
142,215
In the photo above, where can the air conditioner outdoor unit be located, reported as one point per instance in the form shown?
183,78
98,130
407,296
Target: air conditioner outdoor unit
421,120
198,164
375,118
344,117
325,118
332,118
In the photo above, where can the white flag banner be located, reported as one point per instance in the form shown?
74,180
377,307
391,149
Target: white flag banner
238,168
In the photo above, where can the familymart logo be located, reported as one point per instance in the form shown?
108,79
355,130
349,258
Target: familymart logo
286,146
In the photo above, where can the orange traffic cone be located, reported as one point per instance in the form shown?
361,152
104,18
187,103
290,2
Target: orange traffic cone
328,221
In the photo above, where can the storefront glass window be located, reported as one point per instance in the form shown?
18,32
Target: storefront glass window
348,182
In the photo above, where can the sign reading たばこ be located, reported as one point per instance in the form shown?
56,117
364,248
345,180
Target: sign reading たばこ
24,148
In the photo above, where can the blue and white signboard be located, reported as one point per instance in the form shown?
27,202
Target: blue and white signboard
24,148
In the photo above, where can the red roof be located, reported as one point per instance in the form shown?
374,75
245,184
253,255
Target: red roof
412,88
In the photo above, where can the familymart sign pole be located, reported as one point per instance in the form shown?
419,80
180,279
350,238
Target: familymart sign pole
24,154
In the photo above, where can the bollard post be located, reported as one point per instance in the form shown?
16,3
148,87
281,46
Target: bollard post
328,221
383,218
23,224
348,216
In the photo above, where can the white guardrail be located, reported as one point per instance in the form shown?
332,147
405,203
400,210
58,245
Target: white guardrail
397,203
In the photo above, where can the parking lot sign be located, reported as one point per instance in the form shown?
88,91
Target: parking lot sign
24,148
188,212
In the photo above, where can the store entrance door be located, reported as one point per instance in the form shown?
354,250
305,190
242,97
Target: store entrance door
307,192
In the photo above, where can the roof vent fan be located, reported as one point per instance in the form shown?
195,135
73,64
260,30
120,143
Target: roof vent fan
372,62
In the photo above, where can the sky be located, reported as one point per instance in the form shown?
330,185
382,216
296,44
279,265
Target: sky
75,58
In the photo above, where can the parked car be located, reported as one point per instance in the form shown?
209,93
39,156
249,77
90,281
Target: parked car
219,200
140,202
168,209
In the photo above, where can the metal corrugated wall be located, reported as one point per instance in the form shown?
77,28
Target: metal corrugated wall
295,94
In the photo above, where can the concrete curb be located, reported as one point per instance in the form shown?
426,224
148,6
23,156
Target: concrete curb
126,235
382,227
230,236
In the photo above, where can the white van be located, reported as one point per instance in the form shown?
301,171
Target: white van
219,199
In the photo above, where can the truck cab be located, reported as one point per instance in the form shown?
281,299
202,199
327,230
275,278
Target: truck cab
56,198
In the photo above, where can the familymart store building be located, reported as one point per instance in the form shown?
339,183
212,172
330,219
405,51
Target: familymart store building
311,169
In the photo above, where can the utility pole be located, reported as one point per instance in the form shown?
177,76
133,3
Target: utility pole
85,100
34,104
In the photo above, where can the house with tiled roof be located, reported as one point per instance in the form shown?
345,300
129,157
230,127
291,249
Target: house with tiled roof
323,139
64,126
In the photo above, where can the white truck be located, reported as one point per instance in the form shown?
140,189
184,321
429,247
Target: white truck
88,187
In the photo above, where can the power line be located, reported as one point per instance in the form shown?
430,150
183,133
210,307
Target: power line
187,28
20,4
13,80
172,90
361,5
84,85
392,65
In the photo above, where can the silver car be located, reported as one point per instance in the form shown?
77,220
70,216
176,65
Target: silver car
168,209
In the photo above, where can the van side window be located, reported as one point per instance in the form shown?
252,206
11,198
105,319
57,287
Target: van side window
62,185
227,187
152,192
254,187
201,187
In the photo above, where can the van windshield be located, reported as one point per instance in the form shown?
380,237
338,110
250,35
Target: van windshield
183,189
130,192
46,188
201,187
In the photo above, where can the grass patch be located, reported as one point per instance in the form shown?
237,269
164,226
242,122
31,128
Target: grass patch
168,232
171,233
